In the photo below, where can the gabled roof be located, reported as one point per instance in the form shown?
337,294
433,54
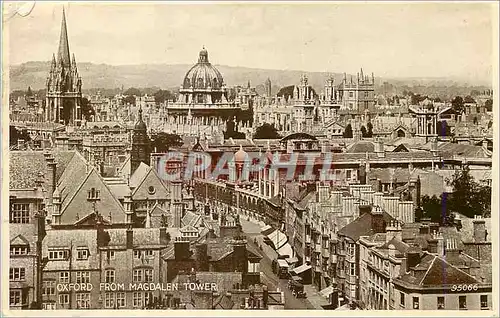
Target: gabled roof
78,205
149,181
139,174
361,147
362,226
19,240
124,169
71,178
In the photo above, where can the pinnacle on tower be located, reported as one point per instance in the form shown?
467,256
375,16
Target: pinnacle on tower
63,52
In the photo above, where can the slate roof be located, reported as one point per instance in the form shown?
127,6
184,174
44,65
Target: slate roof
433,271
361,147
25,166
362,226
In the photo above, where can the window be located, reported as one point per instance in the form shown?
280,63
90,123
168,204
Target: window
440,302
351,249
19,250
151,190
462,302
82,254
120,300
149,254
49,306
137,275
17,274
402,297
20,213
58,255
109,300
484,302
351,94
49,287
148,275
93,194
416,303
63,299
15,297
109,275
82,277
83,300
63,277
110,255
147,298
137,254
348,174
137,300
352,269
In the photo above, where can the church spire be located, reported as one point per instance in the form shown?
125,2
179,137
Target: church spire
63,53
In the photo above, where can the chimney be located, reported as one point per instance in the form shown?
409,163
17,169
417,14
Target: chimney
51,176
177,209
434,147
440,244
480,233
378,223
265,296
201,257
176,190
379,148
164,236
452,247
412,259
364,209
181,248
240,255
394,230
130,238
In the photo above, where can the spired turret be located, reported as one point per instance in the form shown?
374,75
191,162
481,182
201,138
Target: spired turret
63,84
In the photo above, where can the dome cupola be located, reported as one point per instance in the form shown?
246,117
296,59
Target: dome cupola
203,75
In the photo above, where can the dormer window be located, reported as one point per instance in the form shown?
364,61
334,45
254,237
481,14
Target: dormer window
58,254
82,254
93,194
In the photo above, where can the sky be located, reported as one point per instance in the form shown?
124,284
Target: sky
391,39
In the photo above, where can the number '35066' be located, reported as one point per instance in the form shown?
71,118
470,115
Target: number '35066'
464,287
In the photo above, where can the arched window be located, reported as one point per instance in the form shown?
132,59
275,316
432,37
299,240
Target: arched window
401,133
200,82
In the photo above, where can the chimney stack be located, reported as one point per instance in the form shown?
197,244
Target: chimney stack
480,233
51,176
181,248
130,238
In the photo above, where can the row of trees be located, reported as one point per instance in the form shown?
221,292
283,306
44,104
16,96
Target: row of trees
468,198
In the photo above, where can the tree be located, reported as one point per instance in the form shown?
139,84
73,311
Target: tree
87,110
457,104
266,131
162,95
347,131
469,100
369,133
443,128
489,105
15,135
469,197
364,132
129,99
163,142
433,209
132,91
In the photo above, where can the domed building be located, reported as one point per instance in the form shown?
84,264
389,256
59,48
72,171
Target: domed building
202,108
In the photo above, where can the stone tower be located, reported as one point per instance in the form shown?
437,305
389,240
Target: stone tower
268,87
64,85
140,145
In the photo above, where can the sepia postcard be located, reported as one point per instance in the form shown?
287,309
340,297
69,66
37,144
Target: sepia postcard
231,158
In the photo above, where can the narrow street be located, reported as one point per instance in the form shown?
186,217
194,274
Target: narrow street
252,231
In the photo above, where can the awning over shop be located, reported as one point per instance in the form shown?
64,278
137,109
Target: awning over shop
301,269
292,260
326,291
285,250
278,239
282,263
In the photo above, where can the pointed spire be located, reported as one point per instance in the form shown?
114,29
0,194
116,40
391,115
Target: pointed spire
73,60
53,60
63,52
362,76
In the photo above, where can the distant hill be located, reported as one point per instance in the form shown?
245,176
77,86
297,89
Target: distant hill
168,76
